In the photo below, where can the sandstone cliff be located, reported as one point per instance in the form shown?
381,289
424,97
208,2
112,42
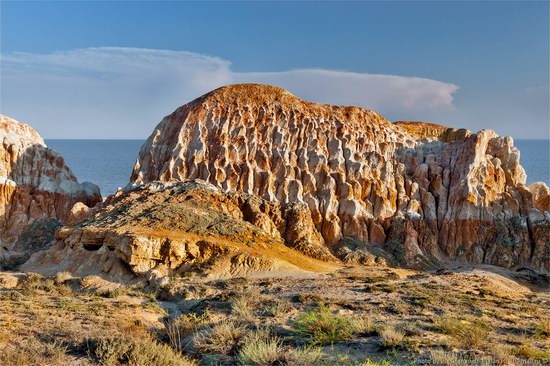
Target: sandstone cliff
423,192
37,189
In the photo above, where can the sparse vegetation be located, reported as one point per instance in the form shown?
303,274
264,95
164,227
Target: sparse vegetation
468,333
442,320
542,330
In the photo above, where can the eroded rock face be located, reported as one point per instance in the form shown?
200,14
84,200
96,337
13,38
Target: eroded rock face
423,191
433,130
158,230
36,186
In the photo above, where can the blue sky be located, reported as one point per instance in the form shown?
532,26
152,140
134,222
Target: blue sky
467,64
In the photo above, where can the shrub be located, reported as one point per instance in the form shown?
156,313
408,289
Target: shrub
33,352
179,328
108,351
324,327
37,282
224,338
261,349
140,352
91,281
242,308
391,337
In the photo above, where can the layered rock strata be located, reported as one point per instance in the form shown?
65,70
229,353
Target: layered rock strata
424,192
37,190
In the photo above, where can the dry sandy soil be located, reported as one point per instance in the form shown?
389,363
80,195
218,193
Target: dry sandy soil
353,316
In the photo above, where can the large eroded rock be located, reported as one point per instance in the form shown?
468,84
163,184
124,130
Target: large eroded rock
37,190
423,191
159,230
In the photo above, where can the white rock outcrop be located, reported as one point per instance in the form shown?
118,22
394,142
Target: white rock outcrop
35,183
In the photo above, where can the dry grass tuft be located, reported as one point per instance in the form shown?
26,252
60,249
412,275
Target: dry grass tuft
242,307
391,337
62,277
33,352
223,338
542,330
261,349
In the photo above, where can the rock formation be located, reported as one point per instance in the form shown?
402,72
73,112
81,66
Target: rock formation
37,190
160,229
432,130
423,192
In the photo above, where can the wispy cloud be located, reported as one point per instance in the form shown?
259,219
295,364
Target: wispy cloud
384,93
124,92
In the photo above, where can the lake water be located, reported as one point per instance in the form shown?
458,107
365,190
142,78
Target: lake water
109,163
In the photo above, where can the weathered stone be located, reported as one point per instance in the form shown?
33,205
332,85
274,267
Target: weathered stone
36,186
459,195
161,229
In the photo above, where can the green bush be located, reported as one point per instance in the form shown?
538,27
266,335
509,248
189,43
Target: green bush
142,352
324,327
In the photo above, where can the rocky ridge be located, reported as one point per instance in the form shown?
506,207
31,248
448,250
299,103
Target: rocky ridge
37,190
424,193
160,230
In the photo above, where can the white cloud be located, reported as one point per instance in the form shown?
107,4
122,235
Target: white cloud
124,92
383,93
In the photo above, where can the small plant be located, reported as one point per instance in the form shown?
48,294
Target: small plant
242,308
223,338
135,352
364,324
178,329
309,356
391,337
324,327
502,355
278,307
261,349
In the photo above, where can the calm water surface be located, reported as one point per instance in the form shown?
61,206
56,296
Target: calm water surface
109,163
